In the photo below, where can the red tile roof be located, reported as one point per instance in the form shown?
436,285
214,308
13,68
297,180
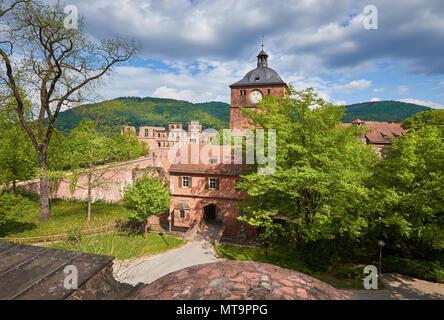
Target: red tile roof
381,132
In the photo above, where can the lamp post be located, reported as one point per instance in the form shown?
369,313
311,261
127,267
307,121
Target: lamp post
381,243
169,228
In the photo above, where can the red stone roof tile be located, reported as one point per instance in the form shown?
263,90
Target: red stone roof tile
240,280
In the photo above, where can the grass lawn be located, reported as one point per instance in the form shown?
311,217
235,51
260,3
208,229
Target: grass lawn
121,245
65,215
286,259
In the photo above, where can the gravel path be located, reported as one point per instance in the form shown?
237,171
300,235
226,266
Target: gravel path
146,270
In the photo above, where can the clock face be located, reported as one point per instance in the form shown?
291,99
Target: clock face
256,96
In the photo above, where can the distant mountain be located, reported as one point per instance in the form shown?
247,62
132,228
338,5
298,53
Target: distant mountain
148,111
381,111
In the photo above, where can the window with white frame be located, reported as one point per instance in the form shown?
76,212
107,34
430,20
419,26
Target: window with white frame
185,182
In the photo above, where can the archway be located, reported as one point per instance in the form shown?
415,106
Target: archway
213,214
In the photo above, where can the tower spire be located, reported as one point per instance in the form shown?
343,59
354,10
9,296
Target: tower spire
262,57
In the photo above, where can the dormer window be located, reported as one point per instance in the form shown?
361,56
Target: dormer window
257,79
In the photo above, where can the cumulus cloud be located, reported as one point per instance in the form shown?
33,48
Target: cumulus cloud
330,32
206,45
354,85
403,89
375,100
429,104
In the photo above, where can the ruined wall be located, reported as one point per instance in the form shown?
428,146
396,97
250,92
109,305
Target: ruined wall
119,175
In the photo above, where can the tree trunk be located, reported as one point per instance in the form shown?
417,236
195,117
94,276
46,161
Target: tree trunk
44,190
88,217
14,186
145,229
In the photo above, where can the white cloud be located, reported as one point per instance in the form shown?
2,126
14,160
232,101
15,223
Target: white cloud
340,103
403,89
375,100
424,103
354,85
165,92
377,90
330,32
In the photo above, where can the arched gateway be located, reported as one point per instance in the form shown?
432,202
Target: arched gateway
213,214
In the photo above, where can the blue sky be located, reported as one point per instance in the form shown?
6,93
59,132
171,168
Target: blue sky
192,50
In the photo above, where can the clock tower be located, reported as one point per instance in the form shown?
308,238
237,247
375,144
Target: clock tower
249,91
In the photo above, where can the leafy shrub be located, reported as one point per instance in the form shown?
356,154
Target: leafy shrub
426,270
74,235
319,255
349,272
12,205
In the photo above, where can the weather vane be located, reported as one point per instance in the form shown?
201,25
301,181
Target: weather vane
262,43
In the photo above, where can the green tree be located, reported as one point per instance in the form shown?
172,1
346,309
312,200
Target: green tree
146,197
409,187
60,65
18,159
426,118
318,185
93,157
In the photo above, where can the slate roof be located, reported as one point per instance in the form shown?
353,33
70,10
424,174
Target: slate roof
31,272
262,75
259,76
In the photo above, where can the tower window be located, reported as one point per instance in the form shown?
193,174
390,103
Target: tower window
257,79
269,91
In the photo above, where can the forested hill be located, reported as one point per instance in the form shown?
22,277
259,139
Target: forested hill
381,111
148,111
135,111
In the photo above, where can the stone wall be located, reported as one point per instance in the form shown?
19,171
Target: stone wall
119,175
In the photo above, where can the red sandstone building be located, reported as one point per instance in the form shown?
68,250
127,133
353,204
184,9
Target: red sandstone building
205,192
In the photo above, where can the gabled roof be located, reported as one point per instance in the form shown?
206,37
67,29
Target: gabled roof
381,132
